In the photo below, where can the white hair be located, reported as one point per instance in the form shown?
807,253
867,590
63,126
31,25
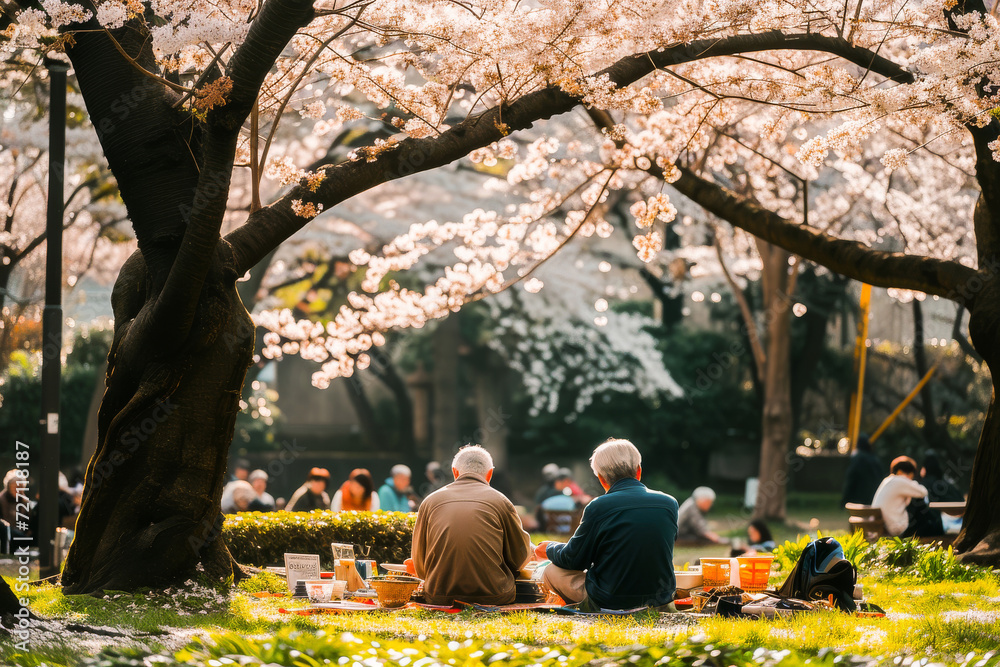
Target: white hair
400,469
257,474
703,493
615,460
243,491
474,459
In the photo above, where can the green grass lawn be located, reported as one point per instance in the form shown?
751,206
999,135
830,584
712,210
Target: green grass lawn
938,612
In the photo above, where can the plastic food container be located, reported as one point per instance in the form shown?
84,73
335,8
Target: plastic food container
754,572
688,579
325,590
716,572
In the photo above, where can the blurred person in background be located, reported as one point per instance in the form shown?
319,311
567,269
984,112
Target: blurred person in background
395,495
357,493
241,469
311,495
436,478
864,474
759,540
692,526
903,502
242,494
264,502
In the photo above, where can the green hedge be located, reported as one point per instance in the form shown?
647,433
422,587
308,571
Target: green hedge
263,538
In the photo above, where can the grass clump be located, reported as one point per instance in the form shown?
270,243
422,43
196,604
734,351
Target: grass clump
264,582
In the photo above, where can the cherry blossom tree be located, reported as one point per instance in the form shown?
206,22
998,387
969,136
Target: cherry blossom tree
180,93
97,244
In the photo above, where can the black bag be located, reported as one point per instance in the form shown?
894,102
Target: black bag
822,571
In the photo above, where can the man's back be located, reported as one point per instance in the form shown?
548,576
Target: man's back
892,497
625,542
468,543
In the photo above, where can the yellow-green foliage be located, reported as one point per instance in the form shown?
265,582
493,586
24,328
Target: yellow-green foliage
264,582
890,556
262,538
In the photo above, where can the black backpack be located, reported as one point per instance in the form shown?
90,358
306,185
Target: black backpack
822,571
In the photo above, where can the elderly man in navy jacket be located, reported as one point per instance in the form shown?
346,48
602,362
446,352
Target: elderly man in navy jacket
621,555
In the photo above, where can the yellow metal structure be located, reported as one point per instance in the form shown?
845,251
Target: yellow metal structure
860,355
903,404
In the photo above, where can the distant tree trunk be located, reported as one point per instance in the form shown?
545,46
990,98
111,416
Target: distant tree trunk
776,423
825,295
385,370
7,332
935,435
493,428
365,412
447,398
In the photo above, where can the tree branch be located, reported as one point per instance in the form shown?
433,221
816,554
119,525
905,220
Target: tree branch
271,225
850,258
139,132
270,32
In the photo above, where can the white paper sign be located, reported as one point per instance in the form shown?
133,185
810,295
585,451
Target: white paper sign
300,566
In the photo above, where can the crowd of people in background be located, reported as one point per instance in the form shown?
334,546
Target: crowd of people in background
246,491
904,496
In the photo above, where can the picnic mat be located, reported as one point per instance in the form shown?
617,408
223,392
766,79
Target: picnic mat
350,606
567,610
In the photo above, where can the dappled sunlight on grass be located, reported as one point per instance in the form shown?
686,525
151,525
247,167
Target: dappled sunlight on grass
942,620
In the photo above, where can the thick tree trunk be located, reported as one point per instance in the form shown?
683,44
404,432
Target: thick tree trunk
776,423
150,509
980,537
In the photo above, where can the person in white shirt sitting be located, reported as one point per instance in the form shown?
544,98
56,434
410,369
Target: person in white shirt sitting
895,493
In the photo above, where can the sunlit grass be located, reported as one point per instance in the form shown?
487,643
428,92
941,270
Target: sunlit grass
943,621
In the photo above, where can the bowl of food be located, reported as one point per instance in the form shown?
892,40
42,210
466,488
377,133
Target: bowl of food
395,591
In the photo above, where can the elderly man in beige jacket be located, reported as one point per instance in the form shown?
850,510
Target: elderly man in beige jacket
468,542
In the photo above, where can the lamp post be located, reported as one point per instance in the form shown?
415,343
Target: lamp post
52,321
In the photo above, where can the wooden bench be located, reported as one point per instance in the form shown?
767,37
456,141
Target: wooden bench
866,518
869,519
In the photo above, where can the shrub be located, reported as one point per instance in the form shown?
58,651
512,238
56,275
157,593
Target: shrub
787,555
857,549
927,563
264,581
262,538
